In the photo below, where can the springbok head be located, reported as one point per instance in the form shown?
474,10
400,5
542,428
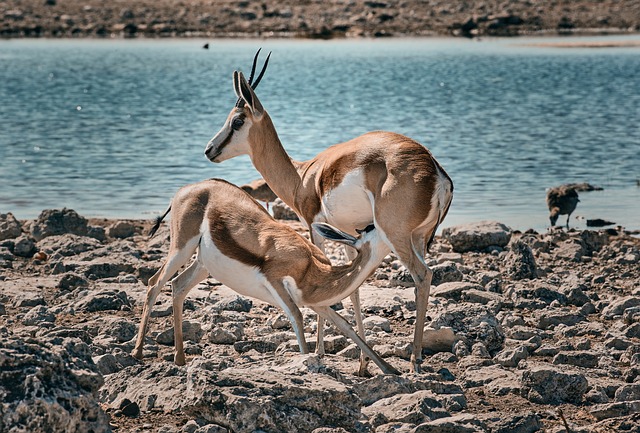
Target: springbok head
233,139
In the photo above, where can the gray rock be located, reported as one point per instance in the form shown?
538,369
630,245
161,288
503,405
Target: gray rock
53,222
10,228
549,385
191,331
511,357
438,340
121,229
618,306
377,323
520,423
629,392
50,384
38,315
445,273
631,315
122,330
257,345
383,386
68,244
221,335
619,409
572,249
414,408
578,358
550,318
24,247
462,423
520,262
104,301
480,376
453,290
283,212
71,281
235,303
477,236
401,277
473,322
107,364
29,299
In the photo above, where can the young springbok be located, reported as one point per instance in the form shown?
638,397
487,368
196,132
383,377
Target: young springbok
379,178
243,247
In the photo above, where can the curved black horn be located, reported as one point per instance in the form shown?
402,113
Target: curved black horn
253,67
264,68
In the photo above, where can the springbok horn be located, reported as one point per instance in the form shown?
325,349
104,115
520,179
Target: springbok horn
264,68
253,67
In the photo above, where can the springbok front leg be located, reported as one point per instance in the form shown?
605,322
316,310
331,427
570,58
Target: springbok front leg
348,331
357,311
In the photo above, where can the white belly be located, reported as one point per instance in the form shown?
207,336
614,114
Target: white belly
244,279
348,206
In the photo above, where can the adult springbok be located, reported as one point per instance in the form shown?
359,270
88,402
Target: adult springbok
243,247
379,178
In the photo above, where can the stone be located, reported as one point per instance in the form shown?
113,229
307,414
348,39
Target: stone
38,315
578,358
107,364
121,229
71,281
257,345
550,318
221,335
511,357
520,262
453,290
53,222
10,228
414,408
629,392
473,322
68,244
444,273
281,211
104,301
618,409
477,236
617,307
480,376
122,330
631,315
462,423
191,331
439,340
548,385
29,299
520,423
570,250
51,384
377,323
24,247
235,303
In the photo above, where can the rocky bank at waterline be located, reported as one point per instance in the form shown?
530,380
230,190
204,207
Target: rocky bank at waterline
526,332
313,19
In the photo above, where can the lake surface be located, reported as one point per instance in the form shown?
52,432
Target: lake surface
114,128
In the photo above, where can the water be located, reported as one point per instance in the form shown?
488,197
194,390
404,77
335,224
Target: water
114,128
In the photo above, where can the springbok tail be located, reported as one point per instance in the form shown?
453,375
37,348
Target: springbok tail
159,219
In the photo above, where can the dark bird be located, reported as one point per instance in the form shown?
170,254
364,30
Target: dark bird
561,200
206,46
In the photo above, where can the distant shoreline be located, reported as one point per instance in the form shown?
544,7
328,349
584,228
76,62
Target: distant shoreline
331,19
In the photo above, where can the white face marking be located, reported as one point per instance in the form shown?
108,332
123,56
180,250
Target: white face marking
239,144
244,279
348,206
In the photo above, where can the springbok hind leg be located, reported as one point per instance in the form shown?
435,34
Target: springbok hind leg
180,286
422,278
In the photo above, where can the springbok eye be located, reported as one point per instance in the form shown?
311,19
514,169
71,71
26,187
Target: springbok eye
237,123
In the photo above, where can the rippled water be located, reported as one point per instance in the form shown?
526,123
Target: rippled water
113,128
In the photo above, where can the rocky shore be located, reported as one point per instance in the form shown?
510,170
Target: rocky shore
526,332
313,19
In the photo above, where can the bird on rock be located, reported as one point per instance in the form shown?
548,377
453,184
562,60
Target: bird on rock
561,200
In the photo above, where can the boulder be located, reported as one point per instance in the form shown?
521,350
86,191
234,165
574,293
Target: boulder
549,385
121,230
24,247
10,228
474,323
477,236
414,408
520,262
68,244
53,222
49,386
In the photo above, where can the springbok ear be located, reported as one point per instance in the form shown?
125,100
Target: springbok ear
333,234
249,96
